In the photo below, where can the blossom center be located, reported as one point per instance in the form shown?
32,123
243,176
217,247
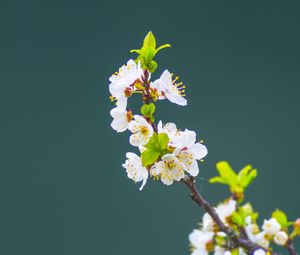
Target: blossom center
144,130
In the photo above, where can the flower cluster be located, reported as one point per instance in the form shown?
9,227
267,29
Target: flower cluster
243,220
167,153
208,238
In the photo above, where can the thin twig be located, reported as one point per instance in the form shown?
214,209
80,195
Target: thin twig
291,248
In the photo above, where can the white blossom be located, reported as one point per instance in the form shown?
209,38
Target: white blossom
271,226
169,169
251,229
122,83
135,169
171,130
226,209
281,238
199,240
166,88
219,250
188,151
141,129
261,240
121,119
259,252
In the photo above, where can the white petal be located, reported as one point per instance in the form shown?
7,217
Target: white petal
176,99
193,169
116,90
199,150
136,140
122,103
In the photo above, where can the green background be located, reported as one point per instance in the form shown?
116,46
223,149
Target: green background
62,188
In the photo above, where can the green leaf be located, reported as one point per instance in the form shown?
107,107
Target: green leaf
148,109
152,66
246,176
227,173
148,53
237,219
162,47
243,174
152,142
251,177
151,108
218,179
136,51
246,210
281,217
149,41
163,141
149,157
156,147
152,118
235,251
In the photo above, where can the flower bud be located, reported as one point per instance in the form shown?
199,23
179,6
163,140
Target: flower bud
281,238
297,227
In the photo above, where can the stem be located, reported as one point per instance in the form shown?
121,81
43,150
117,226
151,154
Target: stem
291,248
235,239
146,95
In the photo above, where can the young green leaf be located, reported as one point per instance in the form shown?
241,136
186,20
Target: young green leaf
281,217
163,141
227,173
237,219
162,47
149,156
246,176
149,40
148,109
218,179
152,142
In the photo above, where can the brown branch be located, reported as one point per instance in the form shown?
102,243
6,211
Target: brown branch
235,239
291,248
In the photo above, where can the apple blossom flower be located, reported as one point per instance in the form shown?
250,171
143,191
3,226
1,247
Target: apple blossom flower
271,226
201,241
122,83
141,129
169,169
121,119
135,170
167,88
281,238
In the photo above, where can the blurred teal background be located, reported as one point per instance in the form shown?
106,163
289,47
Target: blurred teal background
62,188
